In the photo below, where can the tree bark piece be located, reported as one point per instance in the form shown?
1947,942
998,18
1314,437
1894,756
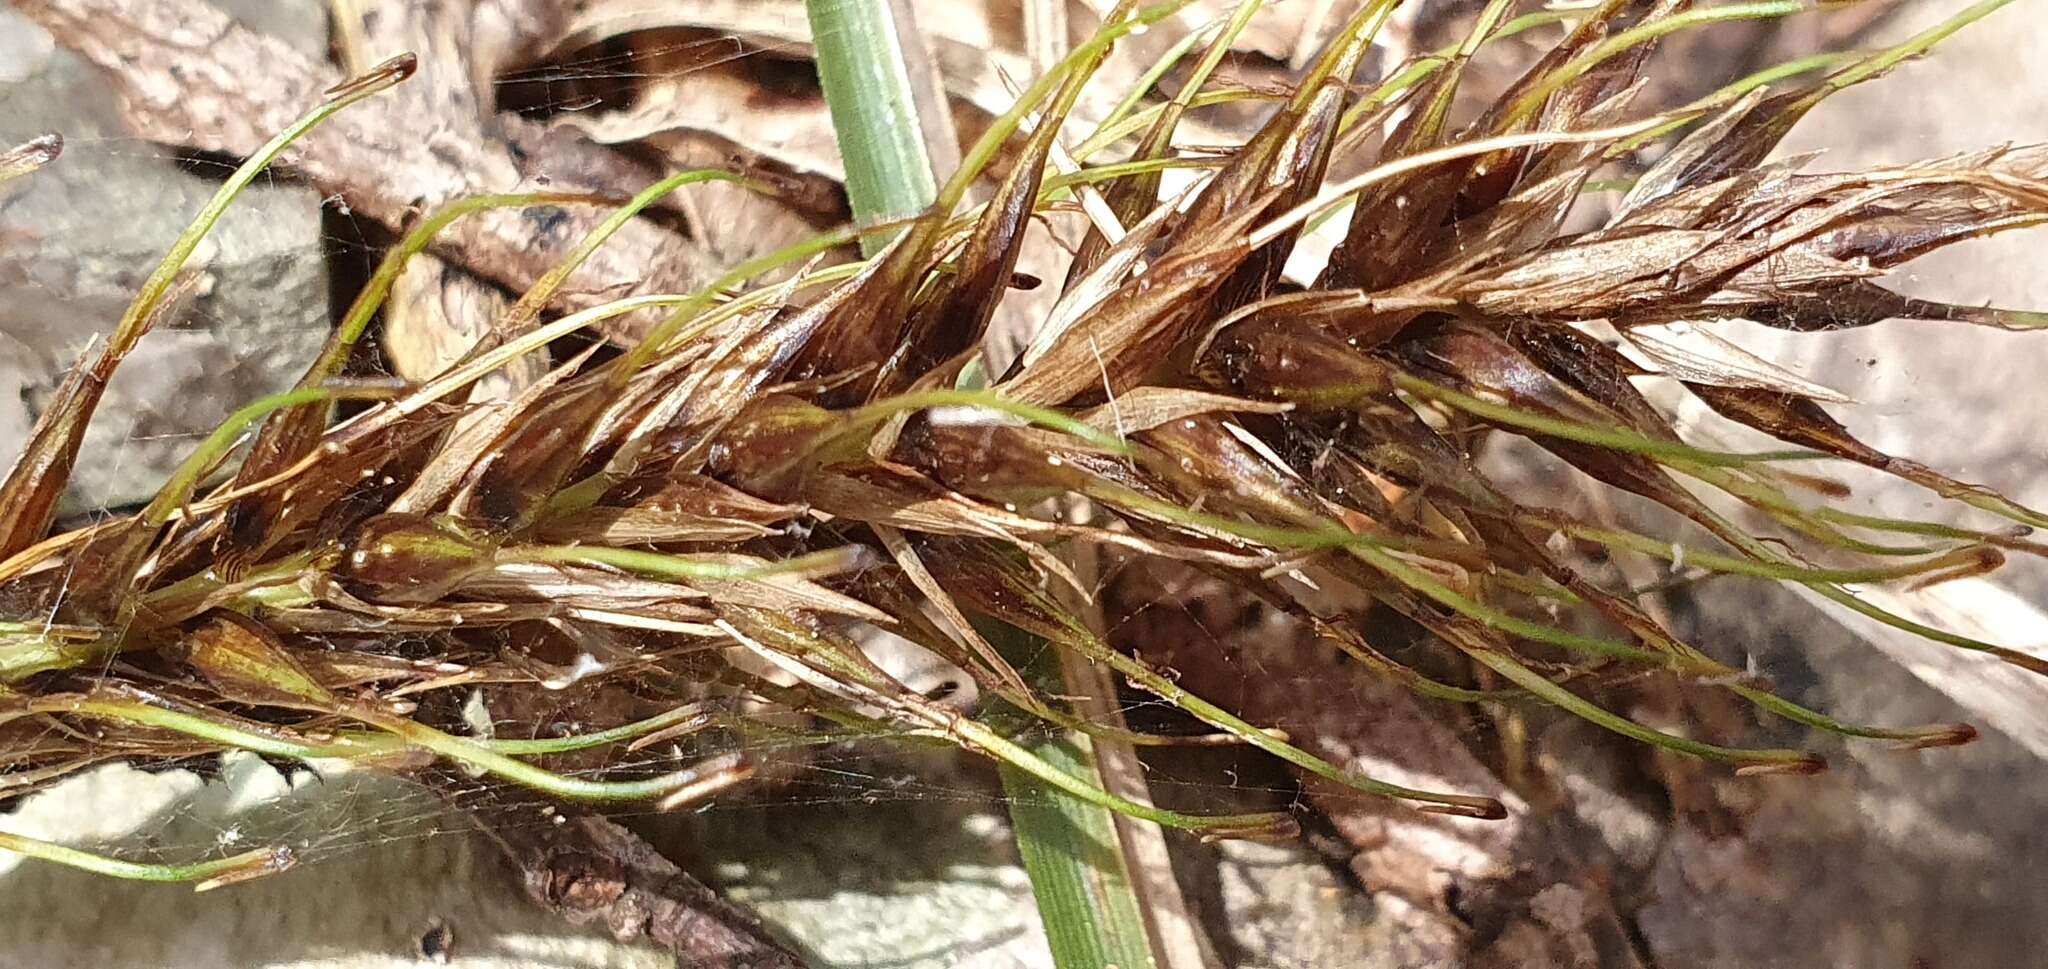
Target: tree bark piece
436,312
1466,892
190,76
590,870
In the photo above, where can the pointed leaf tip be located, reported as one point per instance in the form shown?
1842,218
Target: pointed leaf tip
1267,829
1478,808
1954,735
2025,661
376,79
30,155
45,147
1805,765
250,866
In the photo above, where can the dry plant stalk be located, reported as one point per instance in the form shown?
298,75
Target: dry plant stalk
675,541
